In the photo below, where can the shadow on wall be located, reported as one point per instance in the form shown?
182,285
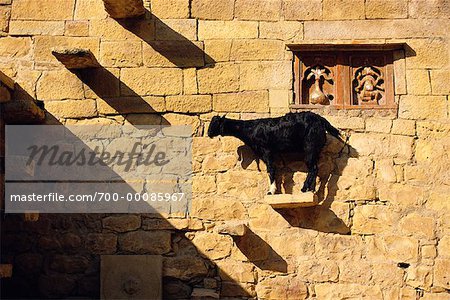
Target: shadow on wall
291,172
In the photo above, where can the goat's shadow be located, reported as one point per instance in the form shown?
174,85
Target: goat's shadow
290,174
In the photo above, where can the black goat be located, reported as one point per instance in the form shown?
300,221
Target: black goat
294,132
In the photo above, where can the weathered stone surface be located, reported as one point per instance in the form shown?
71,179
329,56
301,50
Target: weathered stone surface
190,85
282,30
382,145
386,9
69,264
355,272
177,53
6,270
217,208
339,247
19,27
120,9
343,291
242,184
233,228
213,245
5,14
218,79
212,9
242,50
279,98
282,287
401,195
69,86
302,10
209,30
251,101
439,80
151,81
267,10
125,105
202,146
403,127
444,246
139,29
76,28
42,10
387,273
422,107
72,108
189,103
395,248
14,47
343,9
418,82
374,219
318,270
428,53
199,293
429,9
22,112
231,270
290,201
144,242
101,243
122,223
121,54
203,184
232,289
90,10
49,289
441,275
184,267
264,74
218,50
75,58
420,277
378,125
178,119
418,226
178,9
218,164
176,29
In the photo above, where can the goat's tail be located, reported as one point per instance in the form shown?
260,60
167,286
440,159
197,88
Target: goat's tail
332,130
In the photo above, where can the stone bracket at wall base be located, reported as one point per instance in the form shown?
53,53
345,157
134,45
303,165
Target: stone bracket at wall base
75,58
121,9
22,112
292,201
233,228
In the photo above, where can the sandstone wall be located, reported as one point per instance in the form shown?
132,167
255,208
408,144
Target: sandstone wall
382,231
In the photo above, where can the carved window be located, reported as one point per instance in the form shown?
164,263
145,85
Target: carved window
344,78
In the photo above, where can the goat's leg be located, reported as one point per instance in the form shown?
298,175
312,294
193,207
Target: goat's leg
268,160
311,160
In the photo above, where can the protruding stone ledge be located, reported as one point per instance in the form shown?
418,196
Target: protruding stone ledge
31,216
22,112
6,270
121,9
75,58
292,201
233,228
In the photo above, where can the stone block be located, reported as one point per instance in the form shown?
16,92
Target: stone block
429,9
251,101
5,14
190,85
427,53
418,226
399,72
301,10
213,245
422,107
121,54
355,272
343,9
14,47
420,277
146,242
76,28
19,27
395,248
403,127
374,219
444,246
44,44
72,108
218,50
402,195
242,50
68,86
264,75
189,103
22,112
218,79
101,243
176,29
69,264
318,270
177,9
279,98
100,82
121,9
378,125
200,293
126,105
42,10
151,81
6,270
233,228
127,276
140,29
212,9
441,275
346,122
75,58
203,184
122,223
210,30
418,82
439,82
202,146
259,10
217,208
184,267
282,287
180,54
220,163
283,30
330,291
90,10
290,201
386,9
237,271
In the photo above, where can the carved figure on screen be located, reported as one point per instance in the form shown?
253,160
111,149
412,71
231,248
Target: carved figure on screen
369,85
318,73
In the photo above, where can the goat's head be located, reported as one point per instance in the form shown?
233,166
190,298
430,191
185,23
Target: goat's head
216,126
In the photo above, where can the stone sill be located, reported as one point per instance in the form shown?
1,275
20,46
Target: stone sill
307,199
324,45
